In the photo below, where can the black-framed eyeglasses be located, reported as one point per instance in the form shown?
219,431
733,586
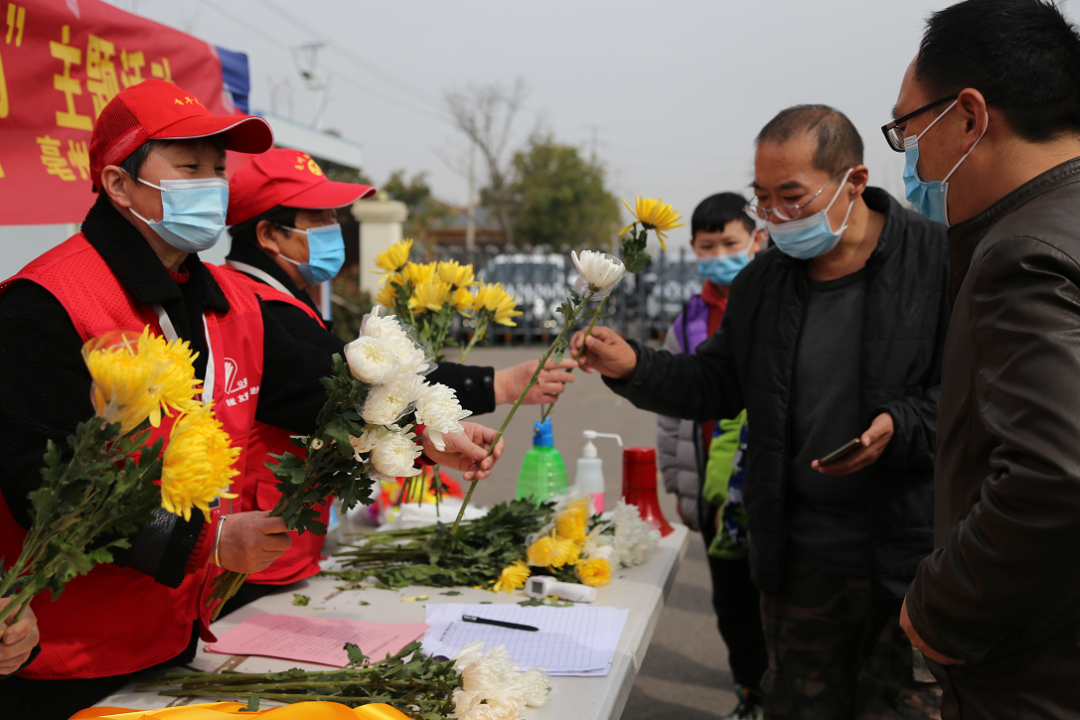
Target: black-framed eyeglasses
787,211
895,135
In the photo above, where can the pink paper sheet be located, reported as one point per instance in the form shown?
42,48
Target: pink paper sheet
315,640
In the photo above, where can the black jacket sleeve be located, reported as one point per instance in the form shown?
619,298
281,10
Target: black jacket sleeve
291,393
300,327
1012,560
475,385
700,387
44,395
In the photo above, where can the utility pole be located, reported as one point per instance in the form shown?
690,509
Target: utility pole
306,59
595,143
470,213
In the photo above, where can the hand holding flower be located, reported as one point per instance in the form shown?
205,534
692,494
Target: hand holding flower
510,381
17,640
250,541
467,451
604,351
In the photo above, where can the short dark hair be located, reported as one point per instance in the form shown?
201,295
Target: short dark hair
1022,55
279,216
839,145
715,212
133,163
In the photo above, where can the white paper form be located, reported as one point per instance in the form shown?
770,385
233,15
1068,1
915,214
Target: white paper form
571,641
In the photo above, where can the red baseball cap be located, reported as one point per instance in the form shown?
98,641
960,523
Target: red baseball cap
286,177
159,110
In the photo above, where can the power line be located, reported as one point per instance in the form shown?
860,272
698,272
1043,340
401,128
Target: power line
396,82
341,78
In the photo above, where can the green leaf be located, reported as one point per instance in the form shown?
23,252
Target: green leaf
300,600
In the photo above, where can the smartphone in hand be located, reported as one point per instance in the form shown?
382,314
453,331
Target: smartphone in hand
841,452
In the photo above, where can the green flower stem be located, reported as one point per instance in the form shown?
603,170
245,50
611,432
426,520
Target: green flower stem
483,320
570,320
581,350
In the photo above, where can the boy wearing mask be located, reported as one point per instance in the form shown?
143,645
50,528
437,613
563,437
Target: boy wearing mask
724,239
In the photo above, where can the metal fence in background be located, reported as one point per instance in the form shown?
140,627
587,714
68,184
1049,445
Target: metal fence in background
642,306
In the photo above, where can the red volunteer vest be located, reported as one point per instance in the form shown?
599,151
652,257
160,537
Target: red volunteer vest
114,620
259,485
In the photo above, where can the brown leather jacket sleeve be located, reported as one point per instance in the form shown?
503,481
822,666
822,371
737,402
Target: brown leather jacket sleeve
1013,560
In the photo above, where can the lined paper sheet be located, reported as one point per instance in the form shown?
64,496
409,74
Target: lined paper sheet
314,640
571,641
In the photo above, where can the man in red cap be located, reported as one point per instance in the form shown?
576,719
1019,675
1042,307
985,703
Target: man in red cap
286,239
157,157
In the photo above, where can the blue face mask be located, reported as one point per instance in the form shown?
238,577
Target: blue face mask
326,253
810,237
930,199
193,212
721,270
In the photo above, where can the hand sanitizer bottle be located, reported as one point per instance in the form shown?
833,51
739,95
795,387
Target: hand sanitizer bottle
590,470
542,471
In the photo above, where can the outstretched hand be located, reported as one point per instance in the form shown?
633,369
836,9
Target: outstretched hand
551,382
466,451
605,352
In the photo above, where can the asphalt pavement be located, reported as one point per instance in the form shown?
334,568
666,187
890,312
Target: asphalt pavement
685,673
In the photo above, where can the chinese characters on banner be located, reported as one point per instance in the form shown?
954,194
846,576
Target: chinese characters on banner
61,61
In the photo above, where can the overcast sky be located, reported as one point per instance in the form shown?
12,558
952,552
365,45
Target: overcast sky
678,89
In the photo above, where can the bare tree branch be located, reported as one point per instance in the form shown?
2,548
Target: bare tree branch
485,114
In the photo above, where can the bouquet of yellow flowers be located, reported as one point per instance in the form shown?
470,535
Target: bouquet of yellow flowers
110,485
427,296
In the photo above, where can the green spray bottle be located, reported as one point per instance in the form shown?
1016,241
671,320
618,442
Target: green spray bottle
542,471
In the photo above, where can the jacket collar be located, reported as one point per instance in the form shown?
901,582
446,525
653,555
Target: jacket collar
138,267
964,237
250,255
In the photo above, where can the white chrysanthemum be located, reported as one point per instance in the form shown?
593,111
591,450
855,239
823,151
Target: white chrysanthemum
600,272
479,677
385,404
635,540
469,654
535,687
382,328
438,410
392,454
506,703
372,361
480,712
465,700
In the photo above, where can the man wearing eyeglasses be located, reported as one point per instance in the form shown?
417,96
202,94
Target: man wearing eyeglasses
832,339
989,117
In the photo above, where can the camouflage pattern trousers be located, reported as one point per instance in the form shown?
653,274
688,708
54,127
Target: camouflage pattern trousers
833,657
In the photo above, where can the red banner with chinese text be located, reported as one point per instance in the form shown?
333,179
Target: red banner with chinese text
61,61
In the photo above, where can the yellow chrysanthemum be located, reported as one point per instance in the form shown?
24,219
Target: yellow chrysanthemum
389,291
197,465
393,259
122,383
542,552
495,300
462,300
594,573
572,523
458,275
418,273
175,386
566,552
654,215
430,296
512,577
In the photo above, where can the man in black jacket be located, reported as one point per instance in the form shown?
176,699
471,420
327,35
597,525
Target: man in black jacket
836,333
991,104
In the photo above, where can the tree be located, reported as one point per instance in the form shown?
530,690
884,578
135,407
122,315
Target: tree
485,115
424,210
557,196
